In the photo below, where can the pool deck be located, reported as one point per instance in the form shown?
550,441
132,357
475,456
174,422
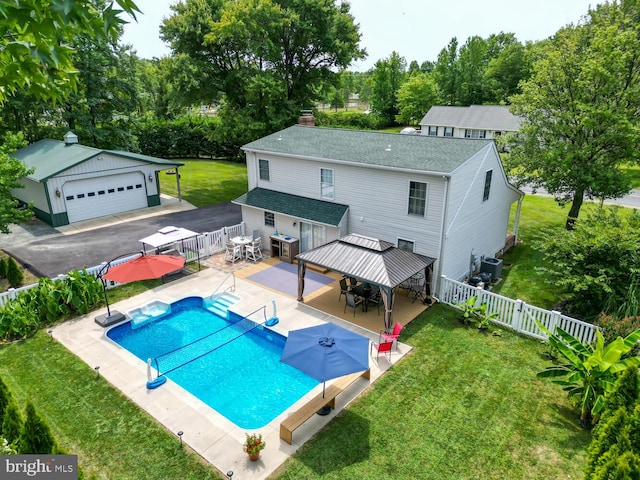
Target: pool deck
216,439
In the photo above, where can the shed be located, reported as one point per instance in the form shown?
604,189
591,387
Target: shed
72,182
369,260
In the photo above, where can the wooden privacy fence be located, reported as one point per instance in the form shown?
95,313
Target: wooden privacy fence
516,314
194,248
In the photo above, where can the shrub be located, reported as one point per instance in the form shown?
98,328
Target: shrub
12,423
613,328
15,277
3,268
4,400
357,120
36,436
614,448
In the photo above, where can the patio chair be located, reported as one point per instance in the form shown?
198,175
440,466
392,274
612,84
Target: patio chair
375,299
353,281
232,252
344,288
253,250
352,301
393,336
383,347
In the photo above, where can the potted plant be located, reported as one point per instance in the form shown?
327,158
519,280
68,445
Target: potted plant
253,444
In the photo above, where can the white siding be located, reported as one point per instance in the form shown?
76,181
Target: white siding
473,225
96,167
377,198
32,192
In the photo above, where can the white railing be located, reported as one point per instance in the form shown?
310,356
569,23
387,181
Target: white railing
516,314
202,246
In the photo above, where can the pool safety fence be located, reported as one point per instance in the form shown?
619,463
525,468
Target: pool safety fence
238,326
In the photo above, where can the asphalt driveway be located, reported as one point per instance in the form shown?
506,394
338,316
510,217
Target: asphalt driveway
52,253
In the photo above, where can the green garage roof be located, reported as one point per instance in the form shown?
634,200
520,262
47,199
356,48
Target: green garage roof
51,157
293,205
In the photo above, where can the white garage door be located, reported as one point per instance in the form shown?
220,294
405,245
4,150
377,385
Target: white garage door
97,197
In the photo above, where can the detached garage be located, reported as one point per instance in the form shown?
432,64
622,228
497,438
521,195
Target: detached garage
73,182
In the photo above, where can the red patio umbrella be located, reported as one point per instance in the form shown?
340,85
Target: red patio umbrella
144,268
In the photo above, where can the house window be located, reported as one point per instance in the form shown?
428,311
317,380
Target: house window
269,219
473,133
433,131
448,131
417,198
326,183
405,245
487,185
263,166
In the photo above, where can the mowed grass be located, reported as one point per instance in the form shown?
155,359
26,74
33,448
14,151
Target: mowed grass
207,182
112,437
463,405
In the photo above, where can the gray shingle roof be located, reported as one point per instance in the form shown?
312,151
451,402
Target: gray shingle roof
414,152
50,157
480,117
293,205
388,267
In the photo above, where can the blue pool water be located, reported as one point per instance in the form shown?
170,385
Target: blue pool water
242,379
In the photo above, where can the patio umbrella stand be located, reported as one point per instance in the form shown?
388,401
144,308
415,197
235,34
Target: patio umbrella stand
325,352
145,267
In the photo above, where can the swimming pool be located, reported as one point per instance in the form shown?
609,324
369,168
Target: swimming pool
242,378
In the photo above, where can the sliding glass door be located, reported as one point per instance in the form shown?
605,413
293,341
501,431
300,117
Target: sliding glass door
312,236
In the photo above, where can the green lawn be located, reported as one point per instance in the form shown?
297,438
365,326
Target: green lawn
207,182
463,405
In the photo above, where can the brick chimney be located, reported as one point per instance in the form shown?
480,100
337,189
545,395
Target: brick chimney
306,118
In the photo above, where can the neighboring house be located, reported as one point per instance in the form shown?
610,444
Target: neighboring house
476,121
73,182
444,198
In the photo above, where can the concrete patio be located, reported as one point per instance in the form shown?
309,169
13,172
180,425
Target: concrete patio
216,439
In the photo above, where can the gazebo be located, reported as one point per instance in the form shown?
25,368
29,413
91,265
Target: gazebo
370,260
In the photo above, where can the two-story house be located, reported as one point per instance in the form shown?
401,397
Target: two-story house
445,198
476,121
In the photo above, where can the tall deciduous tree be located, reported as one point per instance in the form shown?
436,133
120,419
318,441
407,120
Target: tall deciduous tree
581,110
11,171
386,79
33,57
415,97
446,73
268,57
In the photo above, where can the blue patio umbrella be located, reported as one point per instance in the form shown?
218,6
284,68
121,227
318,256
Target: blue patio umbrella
326,351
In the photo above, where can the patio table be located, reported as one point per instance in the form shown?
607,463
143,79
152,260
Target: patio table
366,292
243,241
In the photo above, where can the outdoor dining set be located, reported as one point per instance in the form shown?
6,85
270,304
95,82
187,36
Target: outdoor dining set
243,246
356,294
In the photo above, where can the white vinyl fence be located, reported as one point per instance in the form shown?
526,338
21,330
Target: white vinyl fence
516,314
200,247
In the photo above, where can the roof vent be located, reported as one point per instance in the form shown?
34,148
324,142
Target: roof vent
70,138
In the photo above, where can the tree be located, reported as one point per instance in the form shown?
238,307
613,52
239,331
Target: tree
32,56
446,73
597,263
36,436
415,97
580,110
99,112
614,451
267,57
386,79
472,64
11,171
505,72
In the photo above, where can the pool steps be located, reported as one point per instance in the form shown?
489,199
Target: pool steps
220,303
148,313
